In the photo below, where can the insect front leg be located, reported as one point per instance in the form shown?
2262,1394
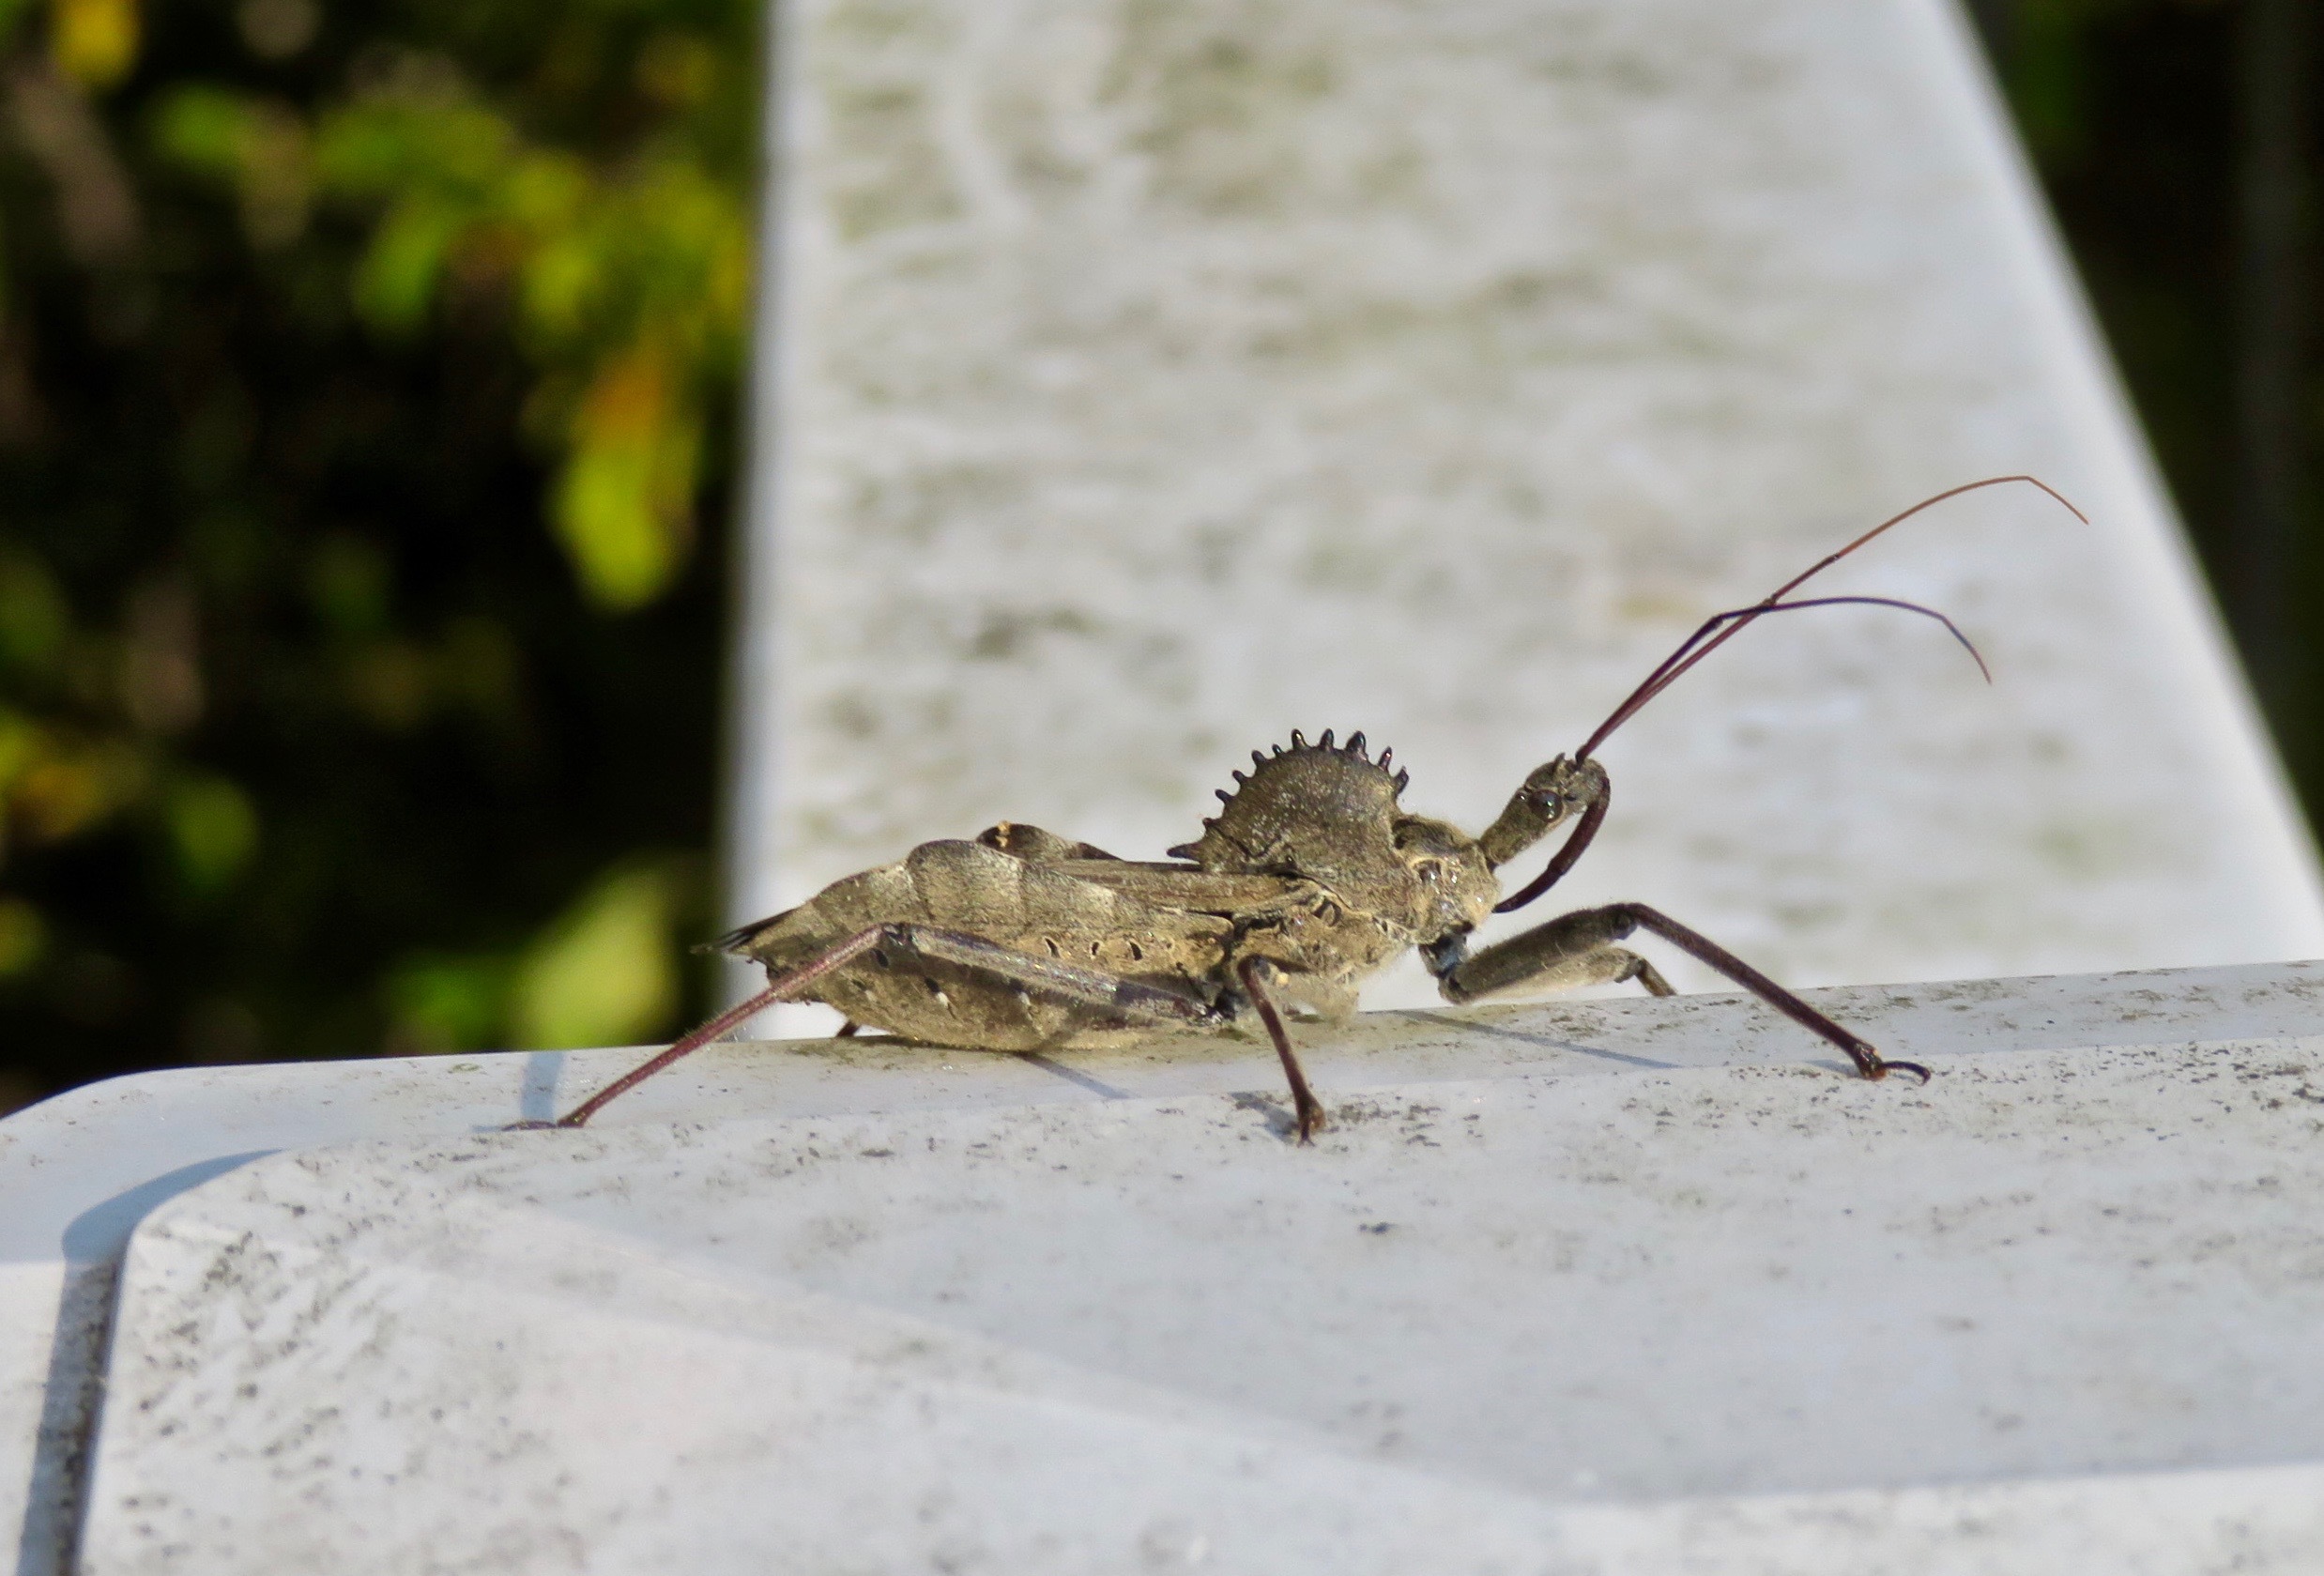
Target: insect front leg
1133,1000
1564,954
1583,947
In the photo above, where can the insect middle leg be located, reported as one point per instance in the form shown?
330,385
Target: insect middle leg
1582,948
1253,973
1134,1001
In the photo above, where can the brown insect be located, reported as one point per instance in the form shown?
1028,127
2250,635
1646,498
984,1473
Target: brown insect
1311,878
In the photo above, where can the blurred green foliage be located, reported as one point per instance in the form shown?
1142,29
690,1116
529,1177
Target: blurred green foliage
367,384
625,278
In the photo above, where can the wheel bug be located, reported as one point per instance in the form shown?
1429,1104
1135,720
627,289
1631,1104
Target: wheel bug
1310,878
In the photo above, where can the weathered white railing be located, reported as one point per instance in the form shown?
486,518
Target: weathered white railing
1641,1283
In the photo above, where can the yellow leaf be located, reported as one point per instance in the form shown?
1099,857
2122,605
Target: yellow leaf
624,505
603,973
94,42
62,791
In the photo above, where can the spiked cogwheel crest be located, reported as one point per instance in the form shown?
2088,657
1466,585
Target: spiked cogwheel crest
1316,810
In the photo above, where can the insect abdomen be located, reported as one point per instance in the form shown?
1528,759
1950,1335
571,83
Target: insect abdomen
1037,909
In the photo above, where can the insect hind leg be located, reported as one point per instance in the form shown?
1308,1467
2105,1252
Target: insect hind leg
1134,1000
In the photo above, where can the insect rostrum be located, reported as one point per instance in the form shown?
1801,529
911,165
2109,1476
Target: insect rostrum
1311,878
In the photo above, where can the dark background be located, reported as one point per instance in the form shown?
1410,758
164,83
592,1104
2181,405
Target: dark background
368,383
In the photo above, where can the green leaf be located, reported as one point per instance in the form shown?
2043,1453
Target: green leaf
33,616
202,128
396,280
21,744
562,281
446,1003
23,936
350,585
213,830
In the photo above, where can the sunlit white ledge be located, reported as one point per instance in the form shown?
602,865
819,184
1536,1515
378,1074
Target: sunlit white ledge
1632,1283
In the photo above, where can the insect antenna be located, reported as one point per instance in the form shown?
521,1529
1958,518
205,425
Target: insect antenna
1720,628
1701,644
1712,636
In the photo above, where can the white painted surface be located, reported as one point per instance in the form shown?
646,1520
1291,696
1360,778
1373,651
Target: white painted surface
1143,382
77,1172
2055,1311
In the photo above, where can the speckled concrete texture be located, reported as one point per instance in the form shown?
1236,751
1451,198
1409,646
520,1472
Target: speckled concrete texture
1143,381
1731,1317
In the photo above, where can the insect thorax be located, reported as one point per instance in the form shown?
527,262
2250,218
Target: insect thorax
1330,814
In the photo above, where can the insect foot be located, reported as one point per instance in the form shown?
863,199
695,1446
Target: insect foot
1868,1060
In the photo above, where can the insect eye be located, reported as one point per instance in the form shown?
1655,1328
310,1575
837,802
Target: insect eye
1550,805
1429,870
